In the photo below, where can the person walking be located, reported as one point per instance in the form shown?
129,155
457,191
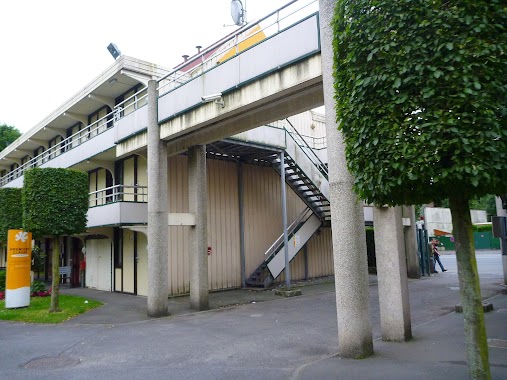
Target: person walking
436,255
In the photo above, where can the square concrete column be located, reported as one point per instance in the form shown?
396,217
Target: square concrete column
198,236
413,268
158,234
392,274
347,220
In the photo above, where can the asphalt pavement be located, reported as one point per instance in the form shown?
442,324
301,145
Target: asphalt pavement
256,334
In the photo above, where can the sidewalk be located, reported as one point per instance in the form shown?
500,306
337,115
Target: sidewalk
436,352
125,308
253,334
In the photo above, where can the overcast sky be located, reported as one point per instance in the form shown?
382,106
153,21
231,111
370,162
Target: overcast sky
51,49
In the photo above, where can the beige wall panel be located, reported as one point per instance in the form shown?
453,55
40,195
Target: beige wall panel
101,184
263,212
142,178
142,171
142,265
92,187
117,279
320,254
263,221
128,261
224,270
128,179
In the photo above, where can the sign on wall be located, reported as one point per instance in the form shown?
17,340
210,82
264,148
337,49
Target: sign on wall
19,260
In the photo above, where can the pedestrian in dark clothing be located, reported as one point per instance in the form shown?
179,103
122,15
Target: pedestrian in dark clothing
436,255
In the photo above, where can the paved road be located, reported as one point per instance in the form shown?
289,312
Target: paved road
278,339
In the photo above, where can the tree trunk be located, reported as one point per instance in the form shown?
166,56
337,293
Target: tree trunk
55,290
470,291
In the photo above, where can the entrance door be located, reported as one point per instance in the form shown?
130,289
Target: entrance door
104,265
98,264
129,262
142,265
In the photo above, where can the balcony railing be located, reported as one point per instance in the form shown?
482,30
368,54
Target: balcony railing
118,193
78,138
222,50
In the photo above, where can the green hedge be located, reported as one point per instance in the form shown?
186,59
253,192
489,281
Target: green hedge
55,201
482,228
2,280
11,212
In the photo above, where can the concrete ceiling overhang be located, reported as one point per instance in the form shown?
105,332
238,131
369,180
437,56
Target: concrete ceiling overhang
119,78
289,91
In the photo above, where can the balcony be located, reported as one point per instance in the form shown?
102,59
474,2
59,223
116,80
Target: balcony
69,151
118,205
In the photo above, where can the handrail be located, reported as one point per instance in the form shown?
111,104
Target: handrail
218,48
308,151
80,137
118,112
303,217
118,193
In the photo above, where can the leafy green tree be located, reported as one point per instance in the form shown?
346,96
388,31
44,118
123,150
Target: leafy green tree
421,96
55,203
11,213
7,135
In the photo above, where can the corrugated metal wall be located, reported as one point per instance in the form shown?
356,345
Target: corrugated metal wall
263,225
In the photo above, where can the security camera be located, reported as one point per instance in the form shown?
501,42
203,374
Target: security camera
211,97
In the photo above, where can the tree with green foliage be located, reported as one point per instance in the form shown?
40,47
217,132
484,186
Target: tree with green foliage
7,135
11,212
421,98
55,203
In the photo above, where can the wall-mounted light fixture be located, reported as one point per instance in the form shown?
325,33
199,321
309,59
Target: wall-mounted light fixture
217,98
113,49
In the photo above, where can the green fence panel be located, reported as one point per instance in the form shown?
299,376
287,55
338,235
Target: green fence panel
483,240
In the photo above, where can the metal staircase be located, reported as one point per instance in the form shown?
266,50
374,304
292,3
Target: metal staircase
308,177
300,231
302,185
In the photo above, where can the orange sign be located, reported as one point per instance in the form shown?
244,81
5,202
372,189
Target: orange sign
19,260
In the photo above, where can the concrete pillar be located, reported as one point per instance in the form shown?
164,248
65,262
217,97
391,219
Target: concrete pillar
392,274
410,232
347,220
158,240
198,237
500,211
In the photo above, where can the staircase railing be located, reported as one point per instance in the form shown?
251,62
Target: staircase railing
303,217
307,150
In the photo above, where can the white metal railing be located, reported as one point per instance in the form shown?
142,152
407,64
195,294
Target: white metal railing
272,24
303,217
118,193
307,150
78,138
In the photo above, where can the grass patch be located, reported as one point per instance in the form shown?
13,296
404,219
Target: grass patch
38,311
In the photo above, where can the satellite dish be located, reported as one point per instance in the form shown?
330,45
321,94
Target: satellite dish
237,12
